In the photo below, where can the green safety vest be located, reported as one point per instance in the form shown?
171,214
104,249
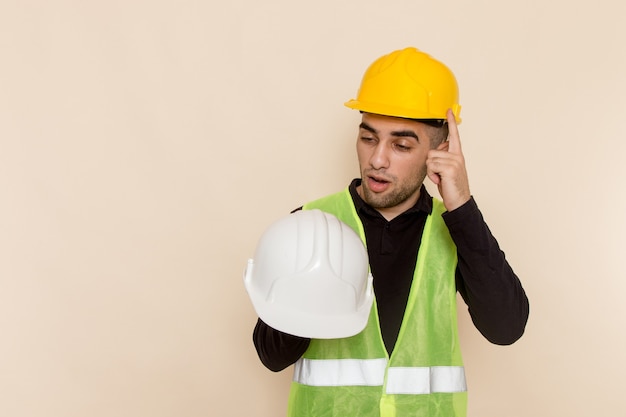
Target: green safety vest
424,377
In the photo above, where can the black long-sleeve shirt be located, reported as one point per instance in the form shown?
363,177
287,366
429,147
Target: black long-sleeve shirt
494,295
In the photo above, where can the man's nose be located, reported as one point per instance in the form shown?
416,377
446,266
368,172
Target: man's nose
380,157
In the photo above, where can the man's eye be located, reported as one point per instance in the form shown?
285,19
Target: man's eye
367,138
402,147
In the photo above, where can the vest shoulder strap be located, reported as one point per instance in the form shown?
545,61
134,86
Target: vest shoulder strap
340,205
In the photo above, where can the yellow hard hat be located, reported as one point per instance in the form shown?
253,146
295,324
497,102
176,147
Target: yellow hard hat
408,83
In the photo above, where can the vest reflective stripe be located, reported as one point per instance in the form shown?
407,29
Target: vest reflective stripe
340,372
426,380
371,372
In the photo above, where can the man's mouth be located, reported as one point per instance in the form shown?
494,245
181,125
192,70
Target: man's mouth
377,184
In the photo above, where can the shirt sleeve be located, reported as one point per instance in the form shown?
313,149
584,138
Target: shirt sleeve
277,350
496,301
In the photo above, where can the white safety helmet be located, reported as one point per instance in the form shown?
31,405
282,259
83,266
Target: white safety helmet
310,277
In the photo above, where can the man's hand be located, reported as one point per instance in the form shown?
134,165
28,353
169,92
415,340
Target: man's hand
445,167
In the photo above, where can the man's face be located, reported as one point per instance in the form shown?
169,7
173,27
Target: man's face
392,156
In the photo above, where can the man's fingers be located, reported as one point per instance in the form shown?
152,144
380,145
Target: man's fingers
435,178
453,136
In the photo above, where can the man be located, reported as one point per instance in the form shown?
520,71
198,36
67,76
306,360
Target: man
407,361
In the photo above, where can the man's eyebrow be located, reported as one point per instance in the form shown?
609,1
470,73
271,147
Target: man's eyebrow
405,133
367,127
396,133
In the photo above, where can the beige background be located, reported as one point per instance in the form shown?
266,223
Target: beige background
145,145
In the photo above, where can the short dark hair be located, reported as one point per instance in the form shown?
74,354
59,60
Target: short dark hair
438,131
